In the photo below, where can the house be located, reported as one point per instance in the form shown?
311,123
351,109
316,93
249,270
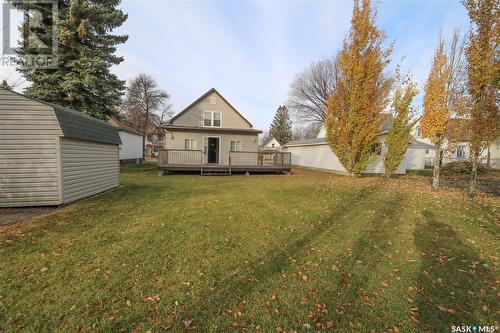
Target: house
270,143
131,149
316,153
50,155
456,145
210,135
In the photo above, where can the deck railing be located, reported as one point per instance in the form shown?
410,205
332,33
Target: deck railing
180,157
260,158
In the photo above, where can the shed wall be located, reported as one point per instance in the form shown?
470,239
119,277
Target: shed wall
88,168
29,165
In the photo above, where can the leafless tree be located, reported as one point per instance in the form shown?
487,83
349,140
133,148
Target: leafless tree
145,103
309,131
310,90
457,81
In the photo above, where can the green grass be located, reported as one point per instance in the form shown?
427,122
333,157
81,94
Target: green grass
254,253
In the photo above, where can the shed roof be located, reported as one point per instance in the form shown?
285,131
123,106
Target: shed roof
77,125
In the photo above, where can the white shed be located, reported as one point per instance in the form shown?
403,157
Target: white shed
50,155
131,149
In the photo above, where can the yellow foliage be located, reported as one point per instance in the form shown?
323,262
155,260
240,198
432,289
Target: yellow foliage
436,112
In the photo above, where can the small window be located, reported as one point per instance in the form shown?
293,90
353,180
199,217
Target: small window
418,132
377,148
272,145
216,122
190,144
427,151
461,152
207,118
235,145
213,99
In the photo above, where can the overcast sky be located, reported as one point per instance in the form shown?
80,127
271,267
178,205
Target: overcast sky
251,51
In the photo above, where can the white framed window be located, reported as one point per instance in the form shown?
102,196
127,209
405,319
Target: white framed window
272,145
190,144
461,152
213,99
235,145
212,119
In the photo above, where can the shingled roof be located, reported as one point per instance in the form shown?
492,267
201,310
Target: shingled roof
77,125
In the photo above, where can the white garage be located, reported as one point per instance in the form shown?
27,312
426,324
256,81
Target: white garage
317,154
131,149
50,155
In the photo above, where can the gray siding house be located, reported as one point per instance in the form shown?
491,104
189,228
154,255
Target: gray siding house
50,155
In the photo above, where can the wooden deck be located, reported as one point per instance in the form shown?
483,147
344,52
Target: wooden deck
191,161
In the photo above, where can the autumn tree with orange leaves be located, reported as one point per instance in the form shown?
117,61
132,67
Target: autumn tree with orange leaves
436,112
483,77
362,86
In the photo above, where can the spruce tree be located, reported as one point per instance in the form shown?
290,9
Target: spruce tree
281,127
86,51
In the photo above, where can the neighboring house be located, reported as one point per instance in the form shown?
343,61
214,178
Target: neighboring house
52,155
131,149
416,132
155,142
316,153
211,124
270,143
456,145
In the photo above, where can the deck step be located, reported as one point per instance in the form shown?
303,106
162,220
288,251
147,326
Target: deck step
208,171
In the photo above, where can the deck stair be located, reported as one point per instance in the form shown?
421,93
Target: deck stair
215,170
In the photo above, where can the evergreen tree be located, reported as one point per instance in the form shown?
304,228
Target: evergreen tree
398,136
483,78
281,127
436,111
354,109
86,51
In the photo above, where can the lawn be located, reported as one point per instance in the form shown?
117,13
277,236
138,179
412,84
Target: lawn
306,252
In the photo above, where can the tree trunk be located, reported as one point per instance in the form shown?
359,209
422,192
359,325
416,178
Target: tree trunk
437,166
473,175
488,159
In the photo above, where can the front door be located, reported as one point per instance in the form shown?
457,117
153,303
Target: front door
213,150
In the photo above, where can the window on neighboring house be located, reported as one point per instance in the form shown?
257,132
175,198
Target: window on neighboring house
211,119
427,151
461,152
377,148
213,99
418,132
272,145
235,145
190,144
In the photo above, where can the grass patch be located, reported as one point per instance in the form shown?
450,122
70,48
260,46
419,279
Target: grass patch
259,253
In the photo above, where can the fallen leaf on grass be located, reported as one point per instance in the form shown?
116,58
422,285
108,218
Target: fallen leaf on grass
155,298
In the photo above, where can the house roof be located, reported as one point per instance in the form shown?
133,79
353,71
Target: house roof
202,97
415,144
121,126
77,125
211,129
266,141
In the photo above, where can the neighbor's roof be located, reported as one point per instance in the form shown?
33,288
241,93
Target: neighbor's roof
415,144
306,142
121,126
213,90
77,125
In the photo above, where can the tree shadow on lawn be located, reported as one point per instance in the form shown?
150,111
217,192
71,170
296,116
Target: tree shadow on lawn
234,288
455,283
350,292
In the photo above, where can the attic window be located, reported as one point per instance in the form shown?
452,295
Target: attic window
213,99
211,119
